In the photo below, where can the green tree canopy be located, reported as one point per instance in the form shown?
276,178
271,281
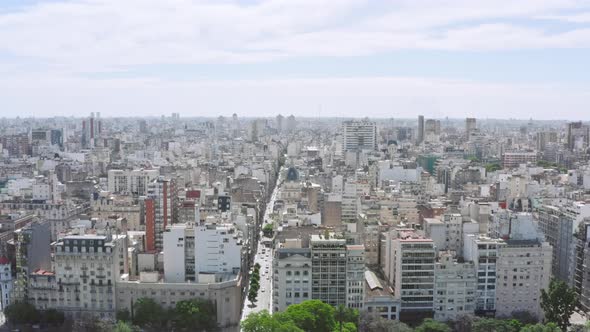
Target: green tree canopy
312,316
558,303
22,313
148,313
373,322
264,322
430,325
195,315
494,325
550,327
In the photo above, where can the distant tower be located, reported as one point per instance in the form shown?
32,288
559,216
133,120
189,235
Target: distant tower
280,120
291,123
470,126
5,282
420,137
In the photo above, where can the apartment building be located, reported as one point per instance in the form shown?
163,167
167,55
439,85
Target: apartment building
194,250
161,210
523,270
292,276
329,262
359,135
6,282
411,258
514,159
455,286
355,276
131,182
85,270
483,252
559,223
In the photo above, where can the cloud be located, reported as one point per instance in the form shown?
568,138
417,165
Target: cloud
105,35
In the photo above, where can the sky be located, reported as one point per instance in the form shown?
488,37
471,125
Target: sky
347,58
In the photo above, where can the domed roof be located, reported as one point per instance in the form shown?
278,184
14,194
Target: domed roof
292,174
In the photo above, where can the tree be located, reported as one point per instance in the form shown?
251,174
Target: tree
494,325
21,313
312,316
54,317
550,327
195,315
252,295
148,313
373,322
525,317
124,315
264,322
463,323
430,325
122,326
558,303
344,315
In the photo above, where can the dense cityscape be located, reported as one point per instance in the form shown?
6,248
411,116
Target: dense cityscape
230,223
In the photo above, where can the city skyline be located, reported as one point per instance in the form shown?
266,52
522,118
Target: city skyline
392,59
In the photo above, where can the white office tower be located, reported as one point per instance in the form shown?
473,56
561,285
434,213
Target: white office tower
5,282
201,252
455,285
359,135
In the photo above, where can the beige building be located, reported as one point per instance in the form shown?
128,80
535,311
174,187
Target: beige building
454,288
524,268
107,206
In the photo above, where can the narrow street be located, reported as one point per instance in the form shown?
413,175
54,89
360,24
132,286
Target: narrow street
264,257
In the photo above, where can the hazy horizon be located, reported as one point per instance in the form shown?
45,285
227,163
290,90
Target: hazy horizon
308,58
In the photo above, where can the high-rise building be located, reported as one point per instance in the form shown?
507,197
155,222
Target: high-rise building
6,282
582,265
280,122
161,207
470,126
577,134
409,260
32,253
455,286
201,248
559,224
359,135
420,136
328,259
133,182
483,252
523,270
292,271
91,130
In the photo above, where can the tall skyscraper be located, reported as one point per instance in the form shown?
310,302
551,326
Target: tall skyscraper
420,137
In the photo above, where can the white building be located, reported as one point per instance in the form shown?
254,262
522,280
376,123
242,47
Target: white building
86,268
359,135
483,252
291,276
455,285
131,181
5,282
193,251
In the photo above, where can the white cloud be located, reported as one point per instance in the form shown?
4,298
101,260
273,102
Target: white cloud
96,35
